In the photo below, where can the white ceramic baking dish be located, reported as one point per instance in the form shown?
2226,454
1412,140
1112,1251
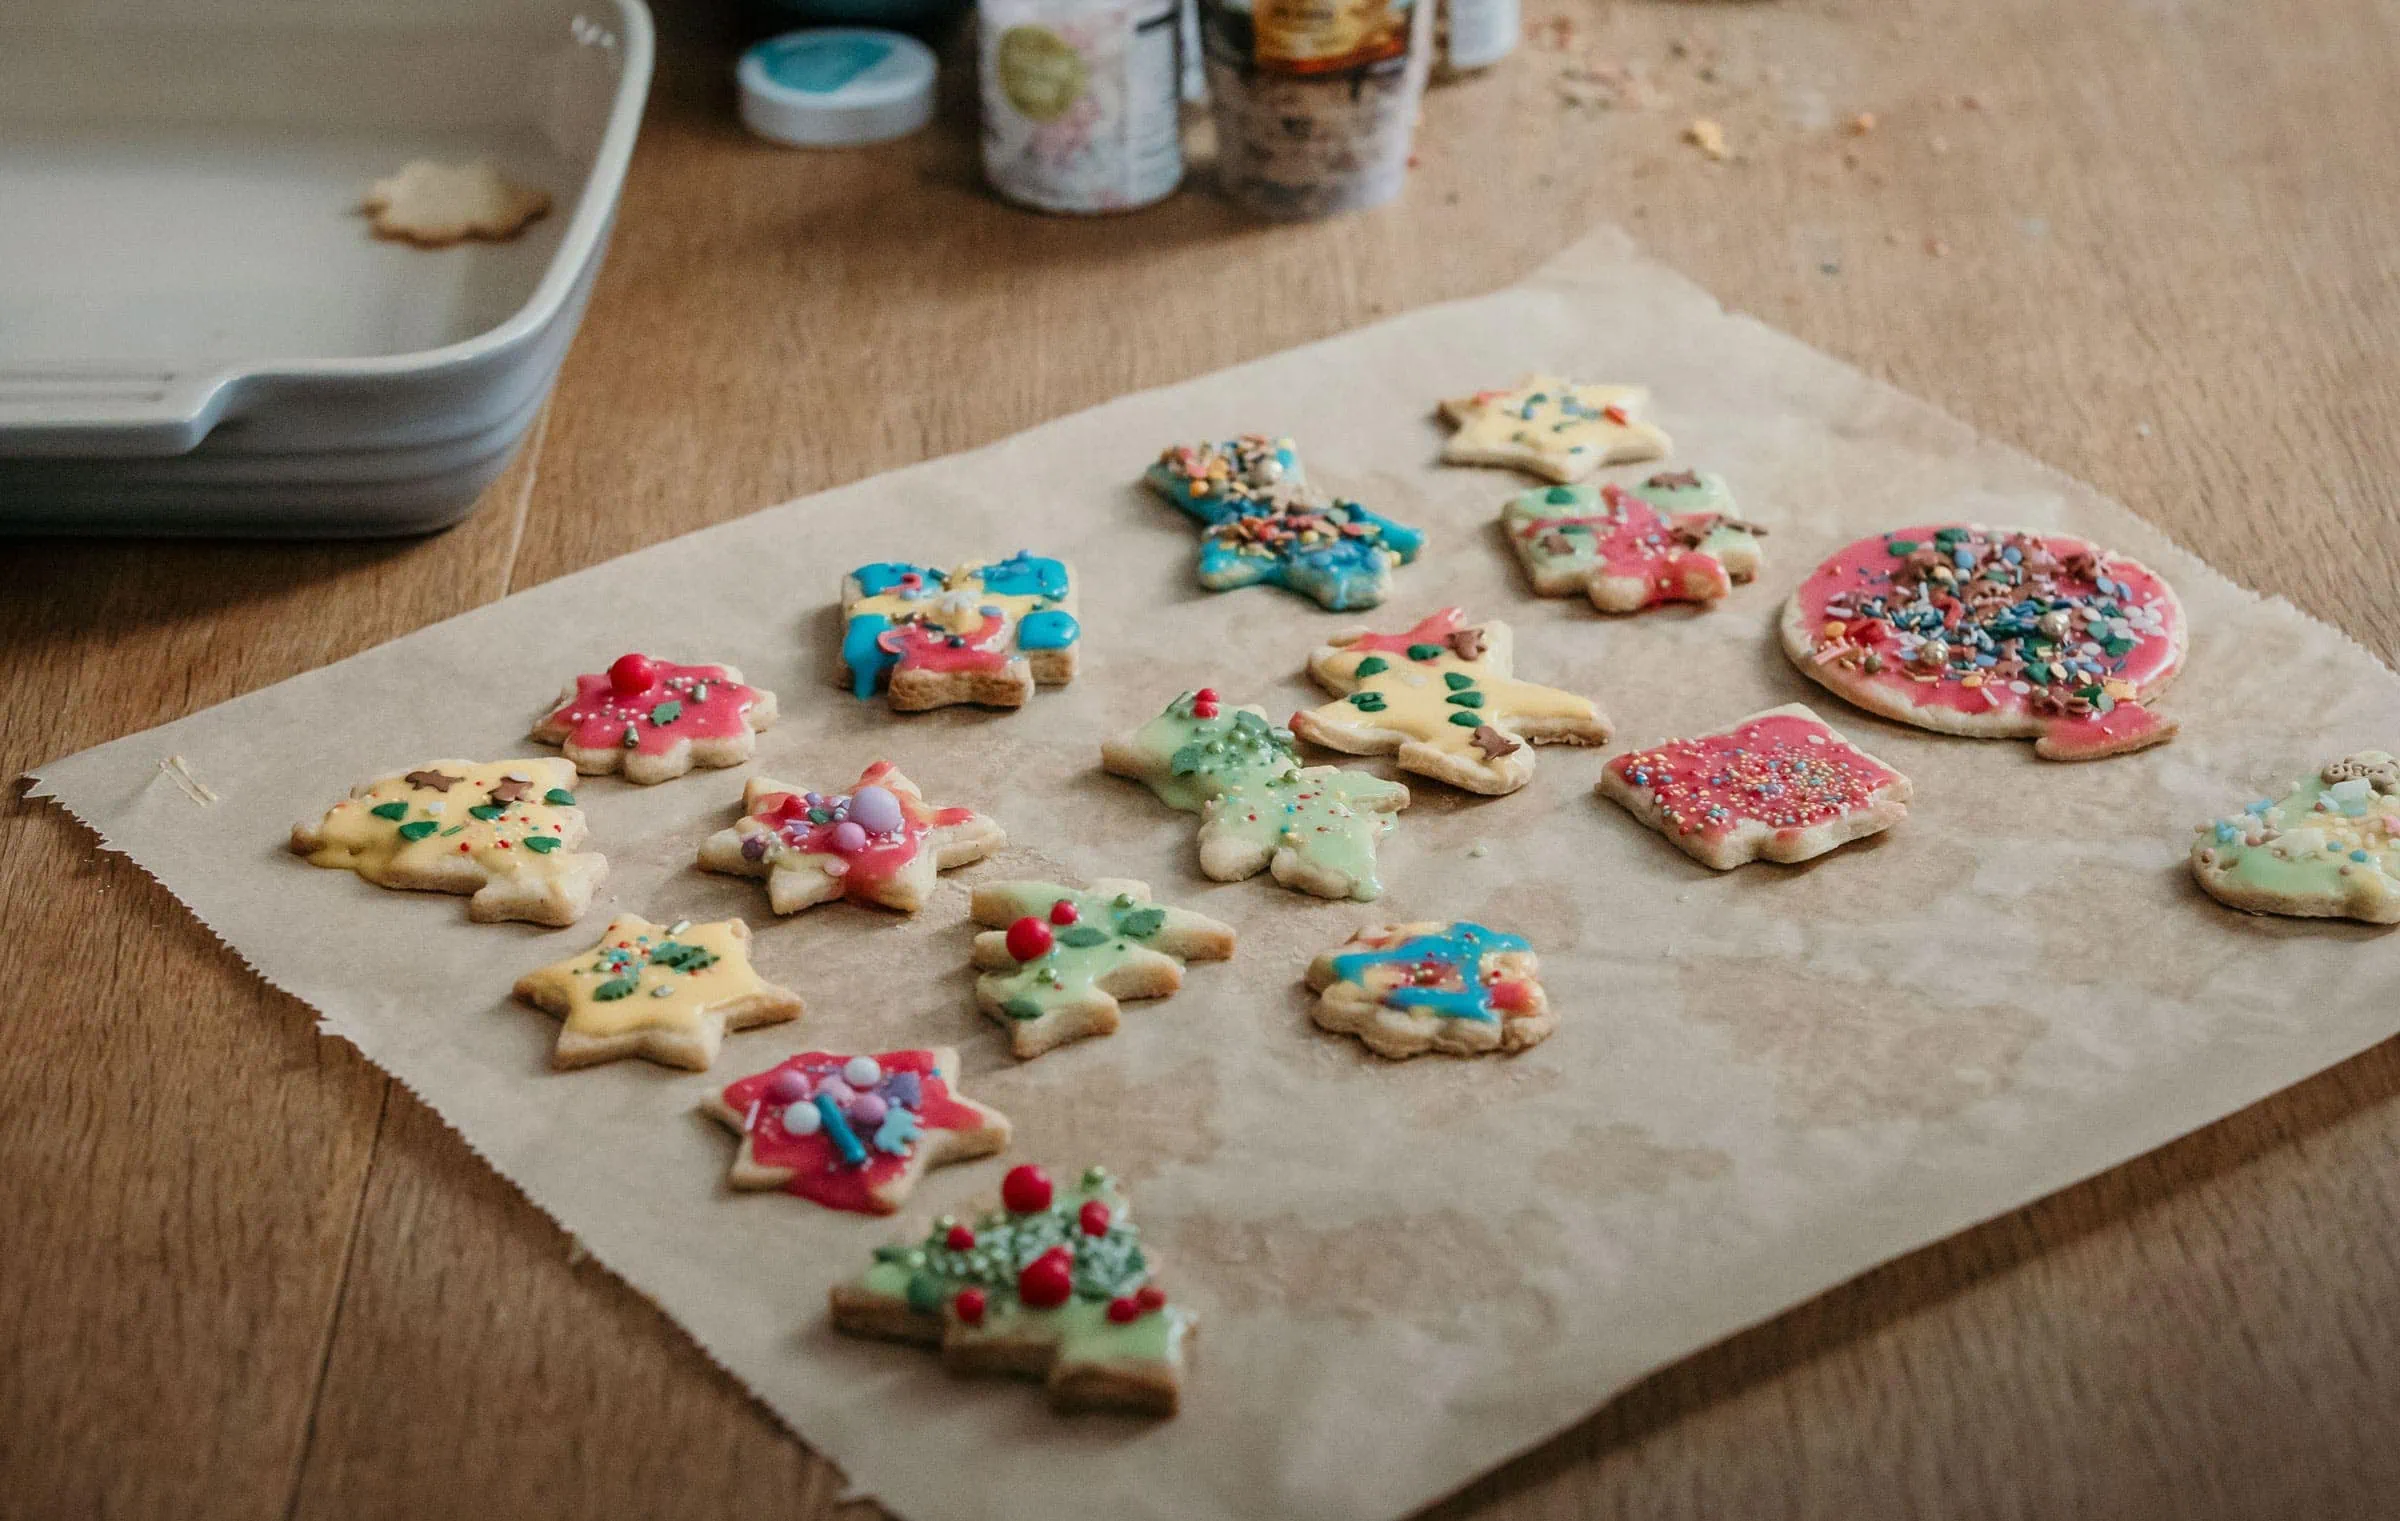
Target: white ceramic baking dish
198,334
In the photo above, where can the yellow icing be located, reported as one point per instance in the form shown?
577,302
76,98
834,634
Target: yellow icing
960,608
1556,429
663,997
355,838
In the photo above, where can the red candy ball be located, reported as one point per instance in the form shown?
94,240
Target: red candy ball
1093,1217
969,1306
1029,939
1151,1297
633,675
1204,703
1025,1189
960,1239
1123,1310
1063,912
1048,1280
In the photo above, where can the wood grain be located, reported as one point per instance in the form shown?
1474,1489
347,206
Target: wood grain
2157,249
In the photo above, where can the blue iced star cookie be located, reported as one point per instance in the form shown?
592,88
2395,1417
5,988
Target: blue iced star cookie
1264,525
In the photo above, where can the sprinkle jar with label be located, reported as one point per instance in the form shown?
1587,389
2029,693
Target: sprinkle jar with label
1081,102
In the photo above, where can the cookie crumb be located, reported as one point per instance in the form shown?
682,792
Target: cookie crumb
1477,850
1937,247
179,771
1708,136
1862,124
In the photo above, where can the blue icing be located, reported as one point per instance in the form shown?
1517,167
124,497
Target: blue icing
875,580
1462,945
868,660
1050,629
1025,574
1349,572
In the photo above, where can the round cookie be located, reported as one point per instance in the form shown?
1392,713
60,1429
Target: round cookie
1993,633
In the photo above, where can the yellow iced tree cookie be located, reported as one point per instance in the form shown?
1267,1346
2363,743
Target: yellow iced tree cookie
1441,697
666,992
1555,428
505,832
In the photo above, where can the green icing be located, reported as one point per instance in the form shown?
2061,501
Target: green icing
2303,849
390,810
1104,933
1204,756
1329,819
418,829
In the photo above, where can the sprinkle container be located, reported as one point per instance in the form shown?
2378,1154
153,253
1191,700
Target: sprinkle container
1081,101
1315,103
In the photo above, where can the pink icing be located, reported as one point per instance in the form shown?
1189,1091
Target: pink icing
817,1170
1634,543
880,857
1434,629
1782,770
709,707
1868,647
925,647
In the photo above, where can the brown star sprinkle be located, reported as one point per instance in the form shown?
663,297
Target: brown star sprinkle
437,781
1492,742
1467,644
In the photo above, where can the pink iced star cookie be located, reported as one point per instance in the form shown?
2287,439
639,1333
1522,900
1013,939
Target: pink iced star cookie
880,842
854,1132
655,720
1779,784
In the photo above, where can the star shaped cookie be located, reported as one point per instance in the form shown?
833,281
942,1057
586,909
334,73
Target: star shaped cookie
433,205
1441,698
880,842
1779,784
655,720
854,1132
987,632
1056,960
1263,526
1673,538
1315,827
665,992
503,832
1559,429
1459,988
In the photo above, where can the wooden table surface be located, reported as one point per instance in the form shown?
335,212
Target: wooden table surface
2151,241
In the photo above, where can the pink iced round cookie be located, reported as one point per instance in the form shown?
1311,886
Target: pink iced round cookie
1994,633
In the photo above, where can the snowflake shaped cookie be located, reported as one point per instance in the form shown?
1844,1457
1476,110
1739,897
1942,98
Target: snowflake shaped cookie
1315,827
854,1132
1779,784
987,632
1441,697
1673,538
2327,849
880,842
1056,960
503,832
655,720
1559,429
1263,526
665,992
433,205
1459,988
1053,1285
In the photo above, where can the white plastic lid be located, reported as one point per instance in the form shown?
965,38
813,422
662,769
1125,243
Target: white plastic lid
835,85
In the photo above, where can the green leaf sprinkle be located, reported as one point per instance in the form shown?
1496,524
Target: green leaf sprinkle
1082,935
1367,702
389,810
1560,496
486,811
418,830
1465,700
1467,720
924,1293
1424,652
1457,681
616,988
1902,546
541,844
666,713
1141,923
1373,665
559,797
1021,1008
679,956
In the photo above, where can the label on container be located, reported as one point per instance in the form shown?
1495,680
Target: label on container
1080,102
1324,36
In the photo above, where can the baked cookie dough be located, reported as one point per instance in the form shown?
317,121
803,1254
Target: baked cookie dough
2327,849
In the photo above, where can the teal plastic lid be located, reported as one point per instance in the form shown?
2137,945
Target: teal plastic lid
836,85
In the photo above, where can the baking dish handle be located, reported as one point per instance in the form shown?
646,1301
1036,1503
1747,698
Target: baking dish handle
117,414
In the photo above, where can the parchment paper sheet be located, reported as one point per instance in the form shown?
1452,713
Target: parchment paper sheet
1763,1084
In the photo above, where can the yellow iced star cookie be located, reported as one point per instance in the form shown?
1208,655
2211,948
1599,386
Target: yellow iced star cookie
1555,428
1440,696
665,992
505,832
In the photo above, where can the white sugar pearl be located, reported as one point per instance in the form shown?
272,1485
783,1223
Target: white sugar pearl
861,1072
802,1118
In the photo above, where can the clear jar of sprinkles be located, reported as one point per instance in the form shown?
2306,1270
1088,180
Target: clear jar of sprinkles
1080,102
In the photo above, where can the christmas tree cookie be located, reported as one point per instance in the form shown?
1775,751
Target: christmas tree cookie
1315,827
1263,526
665,992
1405,989
1052,1285
1440,696
880,842
1673,538
986,632
1779,784
504,832
654,720
1993,633
1056,960
854,1132
2327,849
1550,427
